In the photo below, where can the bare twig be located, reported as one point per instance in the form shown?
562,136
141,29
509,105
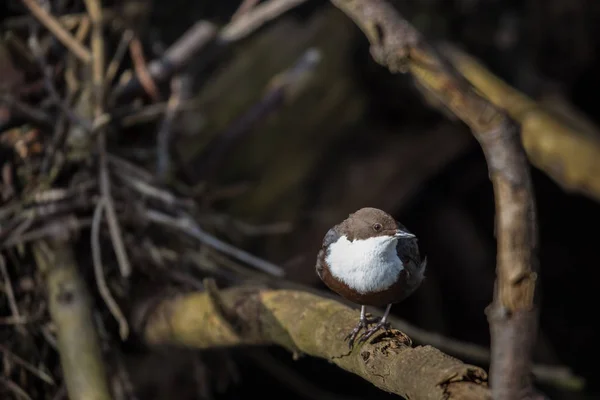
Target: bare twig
175,58
12,302
147,190
94,10
16,389
83,29
141,69
255,18
13,320
48,230
35,371
111,214
57,30
69,21
120,52
513,318
244,7
303,322
163,141
23,109
186,224
112,305
34,45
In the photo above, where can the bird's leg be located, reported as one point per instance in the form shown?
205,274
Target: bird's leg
362,323
383,323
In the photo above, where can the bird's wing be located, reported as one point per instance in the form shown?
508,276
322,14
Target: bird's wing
408,251
330,237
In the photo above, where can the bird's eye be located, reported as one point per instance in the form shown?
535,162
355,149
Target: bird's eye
377,227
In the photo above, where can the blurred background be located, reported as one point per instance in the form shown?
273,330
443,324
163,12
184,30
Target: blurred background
354,135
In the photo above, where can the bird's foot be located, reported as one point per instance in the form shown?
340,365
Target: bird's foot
382,324
351,337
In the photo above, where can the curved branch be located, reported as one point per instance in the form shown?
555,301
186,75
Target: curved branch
512,316
568,152
306,323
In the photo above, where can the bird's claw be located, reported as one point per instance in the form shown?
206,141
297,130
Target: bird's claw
351,337
380,325
363,323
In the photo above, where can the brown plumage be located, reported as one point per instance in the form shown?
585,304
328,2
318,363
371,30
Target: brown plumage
359,229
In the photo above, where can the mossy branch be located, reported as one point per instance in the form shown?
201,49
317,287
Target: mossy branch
568,152
70,309
305,323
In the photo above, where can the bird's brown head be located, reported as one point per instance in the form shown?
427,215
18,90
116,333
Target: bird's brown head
370,222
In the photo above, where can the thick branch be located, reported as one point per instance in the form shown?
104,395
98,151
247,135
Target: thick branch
304,322
569,153
512,316
70,309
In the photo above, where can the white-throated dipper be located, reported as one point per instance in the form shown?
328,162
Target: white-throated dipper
370,259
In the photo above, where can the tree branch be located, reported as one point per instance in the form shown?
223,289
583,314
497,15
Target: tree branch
512,315
70,308
304,322
58,30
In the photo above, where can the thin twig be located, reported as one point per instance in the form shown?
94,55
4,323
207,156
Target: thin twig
48,230
35,47
13,387
12,302
187,225
147,190
57,30
111,214
163,137
112,305
83,29
174,59
258,16
35,371
95,11
243,8
68,21
120,52
141,69
23,109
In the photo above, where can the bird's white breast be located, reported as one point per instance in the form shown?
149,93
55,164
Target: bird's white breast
368,265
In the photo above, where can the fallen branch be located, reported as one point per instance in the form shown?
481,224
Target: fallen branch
302,322
70,310
513,317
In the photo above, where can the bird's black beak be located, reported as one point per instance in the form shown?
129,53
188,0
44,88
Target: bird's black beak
402,234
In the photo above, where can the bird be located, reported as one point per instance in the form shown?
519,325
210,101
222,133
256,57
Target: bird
370,259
